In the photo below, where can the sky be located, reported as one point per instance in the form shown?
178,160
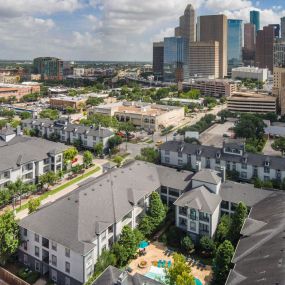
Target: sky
109,30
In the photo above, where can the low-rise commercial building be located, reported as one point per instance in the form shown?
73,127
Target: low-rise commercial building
232,156
69,133
212,87
18,90
142,115
248,72
62,102
252,102
10,79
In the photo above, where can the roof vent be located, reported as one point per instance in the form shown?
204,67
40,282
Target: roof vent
85,194
93,189
76,201
68,198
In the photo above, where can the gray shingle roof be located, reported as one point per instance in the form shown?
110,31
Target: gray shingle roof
208,176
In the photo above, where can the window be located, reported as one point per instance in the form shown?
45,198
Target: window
25,259
37,238
67,252
180,154
167,160
233,206
183,222
167,152
225,205
67,281
67,267
163,189
204,217
53,260
173,192
37,251
25,232
54,275
218,161
203,228
243,175
7,174
54,245
266,170
234,166
193,214
192,226
37,266
180,162
25,245
183,211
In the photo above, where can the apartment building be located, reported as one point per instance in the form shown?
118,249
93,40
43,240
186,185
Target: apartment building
251,102
64,239
212,87
27,158
232,156
69,133
142,115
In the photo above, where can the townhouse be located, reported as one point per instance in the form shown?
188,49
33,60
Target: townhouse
232,157
27,158
64,239
69,133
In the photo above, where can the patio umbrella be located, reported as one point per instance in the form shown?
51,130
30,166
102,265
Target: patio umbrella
143,244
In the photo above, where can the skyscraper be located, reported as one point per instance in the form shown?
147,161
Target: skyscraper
264,48
50,68
283,28
279,54
176,66
249,37
235,40
158,52
215,28
276,30
255,19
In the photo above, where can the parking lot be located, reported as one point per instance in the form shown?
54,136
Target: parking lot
216,134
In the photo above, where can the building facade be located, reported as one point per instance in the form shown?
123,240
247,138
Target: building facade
248,53
158,59
283,28
255,19
248,72
279,54
235,42
18,90
279,87
63,102
50,68
215,28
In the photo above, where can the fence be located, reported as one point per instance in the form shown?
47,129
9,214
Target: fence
10,278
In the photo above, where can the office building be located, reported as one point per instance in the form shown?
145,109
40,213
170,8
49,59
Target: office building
158,55
264,48
212,87
215,28
62,102
232,157
279,53
283,28
50,68
276,28
18,90
143,115
255,19
279,87
204,59
251,102
176,59
248,72
235,42
248,54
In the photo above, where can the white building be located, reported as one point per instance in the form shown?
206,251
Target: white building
248,72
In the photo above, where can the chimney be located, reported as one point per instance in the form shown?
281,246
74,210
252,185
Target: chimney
198,166
123,278
223,173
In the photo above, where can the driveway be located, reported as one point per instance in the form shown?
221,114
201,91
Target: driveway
268,150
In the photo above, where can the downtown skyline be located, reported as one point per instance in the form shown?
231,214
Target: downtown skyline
103,29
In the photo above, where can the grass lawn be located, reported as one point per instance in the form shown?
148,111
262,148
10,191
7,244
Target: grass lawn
60,188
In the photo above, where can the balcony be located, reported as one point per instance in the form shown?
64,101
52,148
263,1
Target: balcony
138,210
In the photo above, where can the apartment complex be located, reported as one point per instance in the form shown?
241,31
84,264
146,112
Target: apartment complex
64,239
69,133
212,87
251,102
142,115
232,156
215,28
158,59
50,68
18,90
27,158
63,102
250,72
204,59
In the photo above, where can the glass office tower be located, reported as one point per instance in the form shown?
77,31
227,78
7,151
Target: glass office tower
235,40
175,66
255,19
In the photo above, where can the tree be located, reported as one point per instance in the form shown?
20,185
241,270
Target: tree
146,226
70,110
222,262
114,141
25,115
9,236
223,229
237,222
49,114
70,154
93,101
178,271
128,241
118,160
48,179
187,244
104,260
121,254
156,209
149,154
138,236
207,245
87,158
279,145
33,205
99,148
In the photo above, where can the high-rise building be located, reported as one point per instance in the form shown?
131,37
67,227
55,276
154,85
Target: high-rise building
158,51
264,48
215,28
248,54
276,30
279,54
255,19
279,87
176,66
204,59
235,40
50,68
187,25
283,28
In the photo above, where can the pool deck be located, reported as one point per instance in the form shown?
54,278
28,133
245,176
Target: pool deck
155,252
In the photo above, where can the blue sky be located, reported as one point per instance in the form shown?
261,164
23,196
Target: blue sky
106,29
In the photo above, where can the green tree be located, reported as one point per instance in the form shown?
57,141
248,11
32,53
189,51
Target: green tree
146,226
47,179
222,262
33,205
118,160
99,148
9,236
223,229
49,114
114,141
149,154
104,260
207,245
70,110
237,222
128,241
138,236
93,101
279,145
178,271
156,209
121,254
70,154
187,244
87,158
25,115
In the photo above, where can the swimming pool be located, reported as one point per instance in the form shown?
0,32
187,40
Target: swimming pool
158,274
